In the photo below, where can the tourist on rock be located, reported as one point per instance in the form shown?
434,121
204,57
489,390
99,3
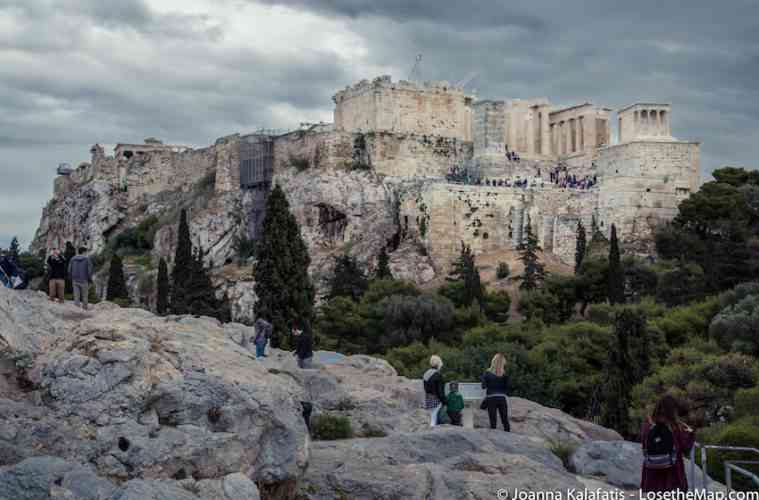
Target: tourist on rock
495,383
304,345
434,389
454,404
665,439
263,333
80,271
56,268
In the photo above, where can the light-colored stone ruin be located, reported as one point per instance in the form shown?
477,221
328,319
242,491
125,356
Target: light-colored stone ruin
410,137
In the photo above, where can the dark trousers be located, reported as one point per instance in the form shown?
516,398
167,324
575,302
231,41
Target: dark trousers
455,417
498,404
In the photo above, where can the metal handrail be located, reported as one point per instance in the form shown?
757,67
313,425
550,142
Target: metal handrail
730,467
705,468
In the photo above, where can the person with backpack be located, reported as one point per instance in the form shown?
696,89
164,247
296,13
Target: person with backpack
263,333
495,383
80,270
665,440
56,269
434,389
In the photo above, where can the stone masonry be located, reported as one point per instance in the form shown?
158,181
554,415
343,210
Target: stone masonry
407,138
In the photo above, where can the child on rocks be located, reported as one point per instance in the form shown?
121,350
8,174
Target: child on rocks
455,404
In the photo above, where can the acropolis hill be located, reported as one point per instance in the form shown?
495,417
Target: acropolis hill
417,168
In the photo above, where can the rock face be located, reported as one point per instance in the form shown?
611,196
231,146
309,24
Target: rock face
144,397
116,403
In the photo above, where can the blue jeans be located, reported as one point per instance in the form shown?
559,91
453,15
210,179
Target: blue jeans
260,350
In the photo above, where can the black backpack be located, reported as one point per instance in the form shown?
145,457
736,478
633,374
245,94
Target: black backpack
660,451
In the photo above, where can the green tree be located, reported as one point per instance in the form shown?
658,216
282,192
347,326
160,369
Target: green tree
348,280
616,274
200,294
616,391
117,290
464,269
14,250
181,273
383,266
580,246
162,286
502,271
534,272
283,286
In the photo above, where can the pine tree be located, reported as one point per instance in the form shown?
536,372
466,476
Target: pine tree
383,266
182,271
349,279
162,285
464,269
534,272
283,287
616,274
117,289
580,246
68,254
14,251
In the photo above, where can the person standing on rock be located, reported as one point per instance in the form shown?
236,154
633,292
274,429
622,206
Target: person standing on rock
263,333
665,439
80,270
304,345
434,389
495,383
56,267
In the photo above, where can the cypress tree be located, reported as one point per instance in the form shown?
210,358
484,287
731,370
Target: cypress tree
534,272
162,285
200,294
383,266
616,274
182,271
117,288
580,246
283,286
465,269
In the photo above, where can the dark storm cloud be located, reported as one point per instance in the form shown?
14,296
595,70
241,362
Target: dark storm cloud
76,72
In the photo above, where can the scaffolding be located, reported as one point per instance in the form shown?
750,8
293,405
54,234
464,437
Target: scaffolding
256,161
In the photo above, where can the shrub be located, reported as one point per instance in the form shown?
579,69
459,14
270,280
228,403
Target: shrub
502,271
747,402
299,164
563,450
539,304
327,427
743,432
496,306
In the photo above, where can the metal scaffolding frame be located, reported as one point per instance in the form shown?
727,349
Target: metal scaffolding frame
256,161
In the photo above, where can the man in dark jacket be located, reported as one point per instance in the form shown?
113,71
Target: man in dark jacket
304,346
56,268
80,270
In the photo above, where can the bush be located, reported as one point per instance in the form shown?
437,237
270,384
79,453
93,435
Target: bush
539,304
299,164
137,239
503,271
747,402
496,306
743,432
735,327
327,427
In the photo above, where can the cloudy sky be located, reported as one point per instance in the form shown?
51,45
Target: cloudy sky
77,72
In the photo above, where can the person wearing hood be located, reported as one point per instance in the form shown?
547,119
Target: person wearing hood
434,389
80,271
263,332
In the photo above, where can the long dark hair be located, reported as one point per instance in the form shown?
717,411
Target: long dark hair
667,411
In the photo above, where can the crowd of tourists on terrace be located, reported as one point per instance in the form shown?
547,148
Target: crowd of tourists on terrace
558,177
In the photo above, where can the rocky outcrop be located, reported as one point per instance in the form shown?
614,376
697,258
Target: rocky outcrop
116,403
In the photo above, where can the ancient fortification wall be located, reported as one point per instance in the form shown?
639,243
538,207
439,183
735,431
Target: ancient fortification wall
403,107
641,185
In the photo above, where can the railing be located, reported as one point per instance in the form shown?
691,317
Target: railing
730,465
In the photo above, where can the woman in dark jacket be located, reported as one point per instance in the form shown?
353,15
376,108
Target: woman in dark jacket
671,478
494,381
434,389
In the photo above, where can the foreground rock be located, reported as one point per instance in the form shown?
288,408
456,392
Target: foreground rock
117,404
140,396
441,463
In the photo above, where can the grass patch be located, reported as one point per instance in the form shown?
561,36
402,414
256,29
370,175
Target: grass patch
563,450
327,427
